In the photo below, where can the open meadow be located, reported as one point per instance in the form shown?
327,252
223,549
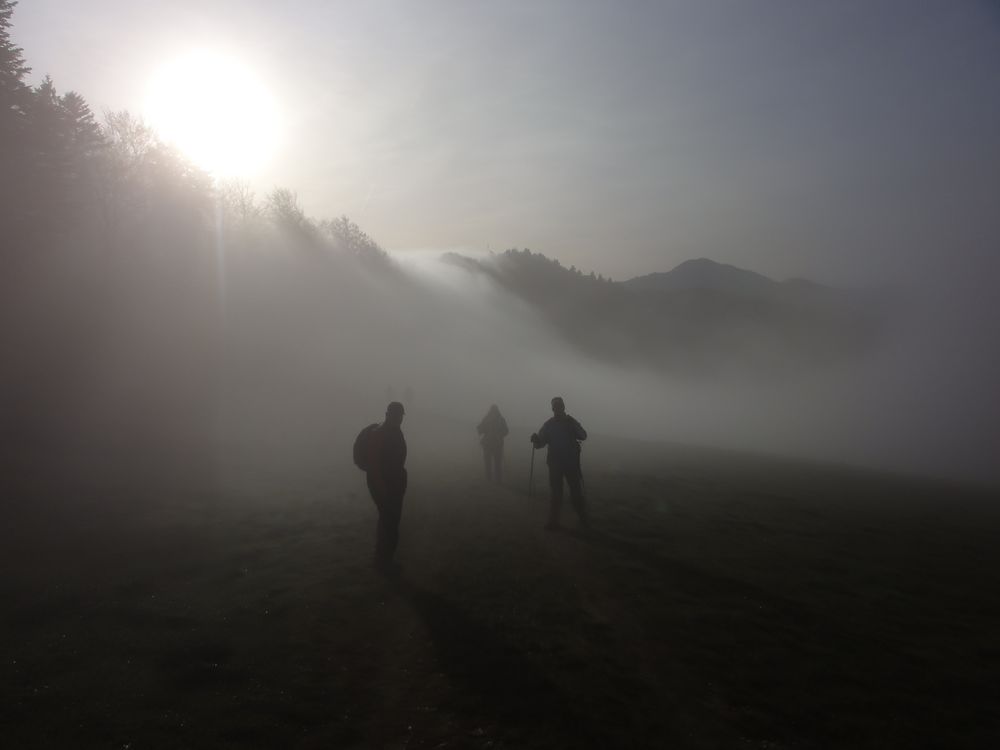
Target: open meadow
722,600
750,247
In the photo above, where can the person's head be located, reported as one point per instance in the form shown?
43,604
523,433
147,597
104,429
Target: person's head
394,414
494,410
558,407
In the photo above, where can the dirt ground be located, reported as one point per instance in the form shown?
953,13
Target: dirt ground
722,600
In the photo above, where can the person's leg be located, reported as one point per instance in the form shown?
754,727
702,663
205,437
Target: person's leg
393,511
487,459
381,540
379,524
574,480
498,473
555,496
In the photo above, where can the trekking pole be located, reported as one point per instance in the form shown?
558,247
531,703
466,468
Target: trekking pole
531,473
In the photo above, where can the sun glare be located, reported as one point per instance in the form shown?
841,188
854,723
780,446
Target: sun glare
215,111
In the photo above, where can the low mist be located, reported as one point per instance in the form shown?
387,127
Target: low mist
317,346
256,349
157,317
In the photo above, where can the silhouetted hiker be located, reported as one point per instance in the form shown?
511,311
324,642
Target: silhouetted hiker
493,429
386,475
562,434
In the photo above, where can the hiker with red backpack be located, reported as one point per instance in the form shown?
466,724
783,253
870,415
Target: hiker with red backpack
562,434
380,450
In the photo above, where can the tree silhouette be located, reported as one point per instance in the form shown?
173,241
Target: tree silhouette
61,145
121,172
14,94
239,202
15,158
112,271
285,212
143,181
349,238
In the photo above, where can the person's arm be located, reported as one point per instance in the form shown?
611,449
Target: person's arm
578,432
541,438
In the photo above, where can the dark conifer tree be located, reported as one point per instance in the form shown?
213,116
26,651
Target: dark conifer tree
85,136
14,94
15,100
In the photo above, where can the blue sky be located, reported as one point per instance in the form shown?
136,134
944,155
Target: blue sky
851,142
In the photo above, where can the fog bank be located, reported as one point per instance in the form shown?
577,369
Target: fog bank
319,346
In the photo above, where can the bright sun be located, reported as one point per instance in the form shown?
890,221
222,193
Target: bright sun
215,111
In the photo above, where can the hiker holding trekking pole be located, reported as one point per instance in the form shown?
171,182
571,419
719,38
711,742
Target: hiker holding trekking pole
562,434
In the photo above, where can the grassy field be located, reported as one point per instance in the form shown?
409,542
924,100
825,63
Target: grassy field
722,601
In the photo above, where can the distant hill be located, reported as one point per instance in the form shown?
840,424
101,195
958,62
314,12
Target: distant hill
697,318
703,273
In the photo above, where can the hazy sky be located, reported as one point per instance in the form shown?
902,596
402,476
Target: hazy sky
850,141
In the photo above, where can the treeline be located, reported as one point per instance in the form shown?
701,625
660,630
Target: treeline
64,173
691,329
112,290
537,266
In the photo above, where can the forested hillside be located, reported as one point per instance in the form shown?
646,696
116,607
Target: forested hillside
701,318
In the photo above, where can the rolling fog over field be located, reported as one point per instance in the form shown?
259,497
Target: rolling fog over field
185,288
459,342
753,245
846,153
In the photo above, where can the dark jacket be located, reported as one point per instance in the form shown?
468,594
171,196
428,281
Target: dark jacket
493,429
562,435
387,458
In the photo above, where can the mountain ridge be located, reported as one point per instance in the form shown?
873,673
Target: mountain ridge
704,273
700,317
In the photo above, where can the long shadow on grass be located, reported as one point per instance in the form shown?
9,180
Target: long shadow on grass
499,679
690,579
778,665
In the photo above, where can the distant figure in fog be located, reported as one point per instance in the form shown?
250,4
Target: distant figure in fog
562,434
492,430
386,475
